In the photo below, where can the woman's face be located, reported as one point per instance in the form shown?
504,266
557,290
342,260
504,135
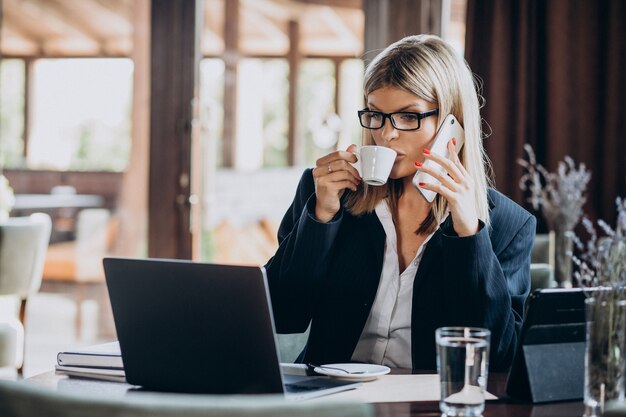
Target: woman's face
409,144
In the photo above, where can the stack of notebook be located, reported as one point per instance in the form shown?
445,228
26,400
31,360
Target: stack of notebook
98,362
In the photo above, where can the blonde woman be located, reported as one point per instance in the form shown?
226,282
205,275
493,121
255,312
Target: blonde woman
375,270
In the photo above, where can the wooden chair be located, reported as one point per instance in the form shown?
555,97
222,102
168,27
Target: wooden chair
23,245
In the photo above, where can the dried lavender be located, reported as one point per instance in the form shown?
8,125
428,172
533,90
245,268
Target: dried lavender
602,264
559,195
602,260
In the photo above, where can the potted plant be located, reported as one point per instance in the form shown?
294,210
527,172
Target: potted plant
560,196
602,265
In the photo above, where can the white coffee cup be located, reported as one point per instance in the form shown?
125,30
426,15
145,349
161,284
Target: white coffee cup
374,163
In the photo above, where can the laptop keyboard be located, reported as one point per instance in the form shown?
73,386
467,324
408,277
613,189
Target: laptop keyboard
308,385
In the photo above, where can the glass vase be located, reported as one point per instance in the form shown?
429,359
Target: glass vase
605,349
560,249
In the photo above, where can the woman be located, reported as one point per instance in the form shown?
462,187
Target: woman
375,270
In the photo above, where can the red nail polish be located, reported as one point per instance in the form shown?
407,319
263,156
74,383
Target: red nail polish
454,141
421,184
418,164
426,151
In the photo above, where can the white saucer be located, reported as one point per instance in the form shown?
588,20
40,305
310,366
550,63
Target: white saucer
369,372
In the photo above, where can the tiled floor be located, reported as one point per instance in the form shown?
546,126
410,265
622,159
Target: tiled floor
52,323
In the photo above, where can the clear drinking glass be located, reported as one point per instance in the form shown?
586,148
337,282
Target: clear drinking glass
463,365
605,349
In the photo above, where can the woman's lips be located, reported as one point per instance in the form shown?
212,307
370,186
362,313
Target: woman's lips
399,157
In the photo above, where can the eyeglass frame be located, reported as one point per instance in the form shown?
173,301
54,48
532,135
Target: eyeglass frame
420,116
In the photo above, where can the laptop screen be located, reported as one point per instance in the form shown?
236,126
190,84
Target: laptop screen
194,327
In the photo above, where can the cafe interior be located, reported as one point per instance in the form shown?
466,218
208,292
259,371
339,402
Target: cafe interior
180,129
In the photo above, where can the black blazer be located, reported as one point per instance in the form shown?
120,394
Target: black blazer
327,274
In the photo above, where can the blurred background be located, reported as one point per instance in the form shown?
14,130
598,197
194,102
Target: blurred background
179,129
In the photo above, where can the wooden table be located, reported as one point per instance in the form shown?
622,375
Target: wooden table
63,209
503,407
498,408
33,202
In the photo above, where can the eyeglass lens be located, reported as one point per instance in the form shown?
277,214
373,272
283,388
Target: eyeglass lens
402,120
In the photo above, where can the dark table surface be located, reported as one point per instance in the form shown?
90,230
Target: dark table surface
503,407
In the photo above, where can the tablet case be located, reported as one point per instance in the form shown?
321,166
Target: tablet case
549,362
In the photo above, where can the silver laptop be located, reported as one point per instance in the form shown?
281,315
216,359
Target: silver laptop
201,328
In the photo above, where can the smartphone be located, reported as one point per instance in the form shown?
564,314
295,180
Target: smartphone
451,128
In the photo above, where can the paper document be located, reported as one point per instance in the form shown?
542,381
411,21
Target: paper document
396,388
105,374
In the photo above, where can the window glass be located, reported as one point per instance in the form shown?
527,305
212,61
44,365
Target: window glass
350,101
81,114
275,112
454,24
11,113
212,108
319,125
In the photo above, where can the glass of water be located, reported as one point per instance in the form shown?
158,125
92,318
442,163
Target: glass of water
463,365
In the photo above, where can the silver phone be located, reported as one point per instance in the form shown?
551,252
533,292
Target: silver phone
451,128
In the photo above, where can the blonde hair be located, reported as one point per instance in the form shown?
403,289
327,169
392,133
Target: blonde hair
428,67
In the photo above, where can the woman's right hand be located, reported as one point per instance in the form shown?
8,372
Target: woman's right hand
332,175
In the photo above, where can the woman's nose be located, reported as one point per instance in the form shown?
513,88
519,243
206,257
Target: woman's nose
389,132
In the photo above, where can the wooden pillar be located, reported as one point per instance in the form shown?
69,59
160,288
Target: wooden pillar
1,20
294,147
29,65
387,21
174,68
231,64
337,67
132,210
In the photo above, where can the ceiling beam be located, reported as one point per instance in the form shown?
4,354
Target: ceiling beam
50,29
339,27
102,27
346,4
93,18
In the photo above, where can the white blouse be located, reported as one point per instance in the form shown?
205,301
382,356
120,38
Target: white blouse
386,337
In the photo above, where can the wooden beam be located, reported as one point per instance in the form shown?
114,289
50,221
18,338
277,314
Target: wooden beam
338,81
49,20
29,65
119,7
269,28
174,68
340,28
94,20
132,210
231,63
348,4
294,147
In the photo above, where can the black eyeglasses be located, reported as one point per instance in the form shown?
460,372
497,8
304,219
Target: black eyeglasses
402,120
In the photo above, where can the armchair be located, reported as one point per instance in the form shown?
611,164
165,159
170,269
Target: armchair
23,245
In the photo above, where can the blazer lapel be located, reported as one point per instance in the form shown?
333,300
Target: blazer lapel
432,253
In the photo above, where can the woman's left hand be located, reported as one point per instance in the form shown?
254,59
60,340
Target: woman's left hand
457,187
